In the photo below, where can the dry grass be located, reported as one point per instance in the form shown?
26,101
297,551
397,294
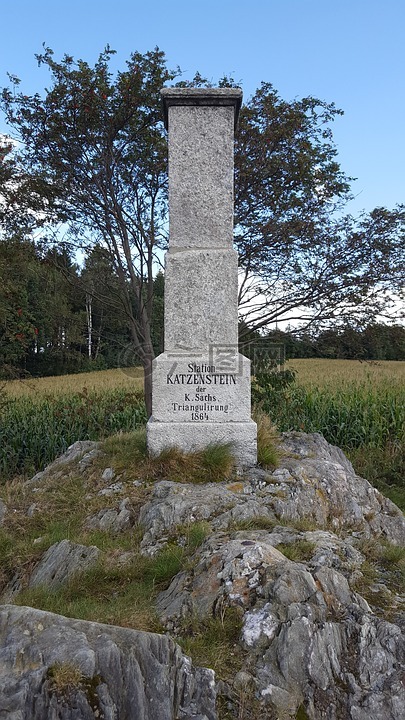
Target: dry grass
313,371
268,455
100,380
323,372
64,677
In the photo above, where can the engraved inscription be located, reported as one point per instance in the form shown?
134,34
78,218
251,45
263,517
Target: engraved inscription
200,402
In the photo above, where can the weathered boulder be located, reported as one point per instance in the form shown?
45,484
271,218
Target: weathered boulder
82,452
327,489
311,639
121,674
57,566
230,569
227,572
112,520
174,504
62,561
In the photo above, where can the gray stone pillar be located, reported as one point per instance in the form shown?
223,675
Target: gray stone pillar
201,384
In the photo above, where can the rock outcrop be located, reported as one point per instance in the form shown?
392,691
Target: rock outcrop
311,639
314,483
117,673
62,561
286,550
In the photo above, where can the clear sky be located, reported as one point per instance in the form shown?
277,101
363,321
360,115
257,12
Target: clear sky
351,52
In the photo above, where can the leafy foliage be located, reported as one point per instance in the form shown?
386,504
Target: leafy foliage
299,258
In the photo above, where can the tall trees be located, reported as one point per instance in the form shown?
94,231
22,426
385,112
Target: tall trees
41,314
17,323
94,153
300,258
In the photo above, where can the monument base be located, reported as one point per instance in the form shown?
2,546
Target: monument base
190,436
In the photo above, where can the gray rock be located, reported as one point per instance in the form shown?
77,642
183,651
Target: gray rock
88,458
108,474
328,491
312,641
113,489
173,504
12,588
76,452
310,638
3,510
33,508
227,572
62,561
111,520
315,482
126,674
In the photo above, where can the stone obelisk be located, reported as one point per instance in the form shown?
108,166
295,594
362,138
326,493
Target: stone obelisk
201,384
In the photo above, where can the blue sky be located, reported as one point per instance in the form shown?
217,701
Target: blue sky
351,52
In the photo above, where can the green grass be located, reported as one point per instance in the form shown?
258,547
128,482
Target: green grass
384,467
214,463
298,551
214,642
268,456
110,591
117,595
125,450
260,522
384,563
352,416
114,593
358,406
193,534
34,431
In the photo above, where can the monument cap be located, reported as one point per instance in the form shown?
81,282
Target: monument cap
200,97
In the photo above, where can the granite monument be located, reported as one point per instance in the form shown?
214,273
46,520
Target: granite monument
201,384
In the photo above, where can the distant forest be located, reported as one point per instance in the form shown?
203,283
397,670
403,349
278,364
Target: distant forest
58,318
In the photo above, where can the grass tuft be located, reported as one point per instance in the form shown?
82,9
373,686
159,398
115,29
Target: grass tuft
259,522
267,453
214,642
64,678
384,563
298,551
192,535
125,450
215,463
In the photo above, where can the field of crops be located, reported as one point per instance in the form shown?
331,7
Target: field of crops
36,427
129,379
320,372
357,405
